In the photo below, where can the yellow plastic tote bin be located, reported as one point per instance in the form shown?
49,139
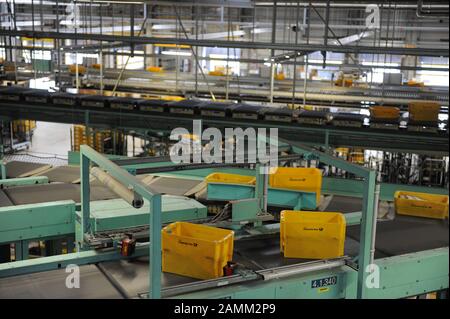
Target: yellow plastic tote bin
230,179
196,251
421,204
312,235
385,112
424,111
297,178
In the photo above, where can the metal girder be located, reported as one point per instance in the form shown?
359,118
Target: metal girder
61,261
228,44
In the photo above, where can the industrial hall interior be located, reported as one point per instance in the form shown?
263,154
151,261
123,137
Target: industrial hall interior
224,149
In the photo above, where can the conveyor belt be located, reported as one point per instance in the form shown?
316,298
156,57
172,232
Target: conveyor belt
402,235
407,234
255,253
16,169
133,276
402,140
344,204
51,284
62,174
173,186
35,194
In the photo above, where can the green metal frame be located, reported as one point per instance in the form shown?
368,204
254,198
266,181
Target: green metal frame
412,274
60,261
276,197
400,276
367,216
26,222
13,182
88,155
43,221
355,188
116,214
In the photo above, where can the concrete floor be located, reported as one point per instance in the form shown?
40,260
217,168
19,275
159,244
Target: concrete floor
51,139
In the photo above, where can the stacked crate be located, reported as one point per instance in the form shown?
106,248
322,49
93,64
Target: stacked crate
94,140
98,140
23,126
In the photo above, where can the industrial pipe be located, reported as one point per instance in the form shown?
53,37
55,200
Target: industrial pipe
115,186
430,13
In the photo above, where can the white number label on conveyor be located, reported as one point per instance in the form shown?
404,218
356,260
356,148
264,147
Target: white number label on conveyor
324,282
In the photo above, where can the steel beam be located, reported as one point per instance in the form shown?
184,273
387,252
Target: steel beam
228,44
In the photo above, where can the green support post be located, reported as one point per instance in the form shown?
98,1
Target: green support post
21,250
85,201
2,163
368,205
155,247
259,187
87,155
366,235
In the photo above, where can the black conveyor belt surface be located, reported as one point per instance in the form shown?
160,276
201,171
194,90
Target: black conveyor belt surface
254,253
264,253
173,186
35,194
344,204
406,234
51,284
62,174
15,168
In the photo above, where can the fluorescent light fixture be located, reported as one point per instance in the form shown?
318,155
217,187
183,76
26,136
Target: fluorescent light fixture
176,53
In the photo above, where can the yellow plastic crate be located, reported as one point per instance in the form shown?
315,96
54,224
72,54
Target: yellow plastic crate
312,235
421,204
415,83
172,98
280,76
344,82
155,69
96,66
73,69
230,179
298,178
424,112
385,112
195,250
216,73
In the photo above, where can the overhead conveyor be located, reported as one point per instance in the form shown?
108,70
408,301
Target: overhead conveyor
401,141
